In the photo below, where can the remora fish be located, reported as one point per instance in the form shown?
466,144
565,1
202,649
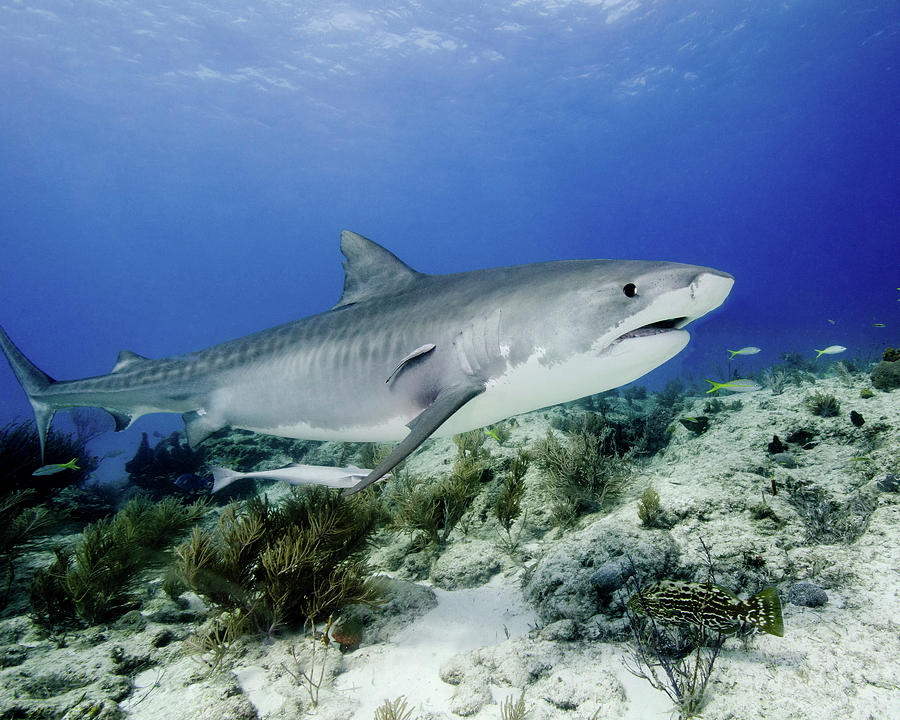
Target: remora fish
711,606
405,354
295,474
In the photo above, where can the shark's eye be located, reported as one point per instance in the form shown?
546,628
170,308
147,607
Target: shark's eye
630,290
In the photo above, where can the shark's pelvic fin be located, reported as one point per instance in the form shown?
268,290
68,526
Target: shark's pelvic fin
371,271
127,359
199,426
123,420
448,401
418,352
34,382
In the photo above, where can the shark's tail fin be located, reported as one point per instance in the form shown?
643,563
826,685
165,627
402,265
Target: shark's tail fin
34,382
223,477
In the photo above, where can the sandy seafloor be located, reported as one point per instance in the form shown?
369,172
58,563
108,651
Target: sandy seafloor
458,643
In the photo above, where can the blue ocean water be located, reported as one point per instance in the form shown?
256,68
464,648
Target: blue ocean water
173,175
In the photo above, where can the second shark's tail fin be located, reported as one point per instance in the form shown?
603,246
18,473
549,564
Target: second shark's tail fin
34,382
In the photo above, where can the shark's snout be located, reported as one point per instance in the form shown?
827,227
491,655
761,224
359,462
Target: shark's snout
708,290
676,309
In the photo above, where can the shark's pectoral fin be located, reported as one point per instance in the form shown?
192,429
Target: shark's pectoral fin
199,426
417,353
448,401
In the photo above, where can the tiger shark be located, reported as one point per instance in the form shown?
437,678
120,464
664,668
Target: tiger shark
406,355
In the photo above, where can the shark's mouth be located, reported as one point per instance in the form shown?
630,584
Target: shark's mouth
656,328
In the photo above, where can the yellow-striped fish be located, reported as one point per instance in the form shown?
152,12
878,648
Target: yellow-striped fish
733,386
56,468
830,350
710,606
744,351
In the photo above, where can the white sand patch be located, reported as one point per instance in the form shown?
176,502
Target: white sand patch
258,689
463,620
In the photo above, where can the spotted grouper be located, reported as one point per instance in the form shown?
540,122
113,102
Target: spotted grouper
710,606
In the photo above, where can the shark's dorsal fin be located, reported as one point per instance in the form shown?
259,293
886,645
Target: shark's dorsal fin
126,359
370,270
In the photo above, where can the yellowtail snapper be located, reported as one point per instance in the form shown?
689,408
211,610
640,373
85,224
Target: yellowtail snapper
710,606
744,351
56,468
830,350
733,386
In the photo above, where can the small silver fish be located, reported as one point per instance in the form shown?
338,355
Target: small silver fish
295,474
710,606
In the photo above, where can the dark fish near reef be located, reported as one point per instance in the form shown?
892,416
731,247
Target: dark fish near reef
189,482
711,606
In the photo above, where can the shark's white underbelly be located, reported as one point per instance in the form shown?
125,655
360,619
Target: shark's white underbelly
534,384
528,386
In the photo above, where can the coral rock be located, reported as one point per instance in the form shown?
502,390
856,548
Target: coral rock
886,375
807,594
562,584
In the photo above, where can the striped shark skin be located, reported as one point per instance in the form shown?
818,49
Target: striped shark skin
406,355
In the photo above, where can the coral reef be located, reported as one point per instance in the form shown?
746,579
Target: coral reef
541,625
562,584
430,510
19,520
246,451
634,392
830,519
394,710
155,470
886,375
806,594
507,506
697,425
264,566
823,405
582,473
649,510
95,582
20,456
